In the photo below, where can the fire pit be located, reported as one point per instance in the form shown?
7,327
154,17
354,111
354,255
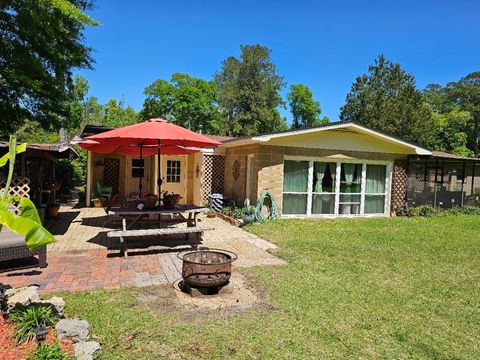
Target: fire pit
207,269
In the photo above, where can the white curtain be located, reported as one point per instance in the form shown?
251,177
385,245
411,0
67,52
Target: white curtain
349,170
320,173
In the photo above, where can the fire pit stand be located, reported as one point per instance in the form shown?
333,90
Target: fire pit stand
206,272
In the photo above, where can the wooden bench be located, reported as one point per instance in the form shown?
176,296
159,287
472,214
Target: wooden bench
124,234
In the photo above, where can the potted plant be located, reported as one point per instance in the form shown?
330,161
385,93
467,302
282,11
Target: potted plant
53,185
97,202
249,215
170,199
211,214
53,209
150,201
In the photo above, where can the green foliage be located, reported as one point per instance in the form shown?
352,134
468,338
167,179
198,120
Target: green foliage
249,210
305,110
28,223
466,94
386,99
33,132
249,92
49,352
41,42
29,319
186,101
430,211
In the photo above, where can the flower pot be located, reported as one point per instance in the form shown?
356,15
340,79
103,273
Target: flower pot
248,219
150,201
53,210
55,186
211,215
97,203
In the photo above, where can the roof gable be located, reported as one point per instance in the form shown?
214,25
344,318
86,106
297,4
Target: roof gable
337,136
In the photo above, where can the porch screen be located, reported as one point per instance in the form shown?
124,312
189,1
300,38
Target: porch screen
295,187
375,189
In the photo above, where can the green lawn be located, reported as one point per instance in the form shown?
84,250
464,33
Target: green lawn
366,288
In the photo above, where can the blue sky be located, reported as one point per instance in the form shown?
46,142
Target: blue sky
323,44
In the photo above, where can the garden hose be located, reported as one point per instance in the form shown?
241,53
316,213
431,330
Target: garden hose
272,214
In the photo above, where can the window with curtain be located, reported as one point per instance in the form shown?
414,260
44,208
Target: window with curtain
295,187
375,188
323,198
350,188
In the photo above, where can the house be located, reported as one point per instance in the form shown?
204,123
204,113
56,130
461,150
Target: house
344,169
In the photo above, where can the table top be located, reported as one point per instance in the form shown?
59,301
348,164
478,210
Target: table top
181,209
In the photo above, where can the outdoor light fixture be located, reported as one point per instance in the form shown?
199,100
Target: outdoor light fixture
41,335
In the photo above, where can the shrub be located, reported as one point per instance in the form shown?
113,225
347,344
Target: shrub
48,352
250,210
30,319
429,211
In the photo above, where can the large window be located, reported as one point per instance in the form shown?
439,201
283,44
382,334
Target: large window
334,188
295,187
323,190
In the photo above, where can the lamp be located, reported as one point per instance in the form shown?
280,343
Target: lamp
41,335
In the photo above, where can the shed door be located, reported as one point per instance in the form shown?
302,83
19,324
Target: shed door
111,173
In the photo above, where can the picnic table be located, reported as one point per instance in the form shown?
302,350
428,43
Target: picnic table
188,213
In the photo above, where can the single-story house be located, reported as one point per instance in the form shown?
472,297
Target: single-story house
344,169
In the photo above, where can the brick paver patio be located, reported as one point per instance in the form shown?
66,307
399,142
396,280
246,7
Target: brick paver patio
83,258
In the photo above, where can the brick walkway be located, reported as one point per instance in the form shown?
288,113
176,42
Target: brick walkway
83,258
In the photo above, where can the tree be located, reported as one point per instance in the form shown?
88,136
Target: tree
186,100
249,92
41,42
305,110
466,94
115,114
386,99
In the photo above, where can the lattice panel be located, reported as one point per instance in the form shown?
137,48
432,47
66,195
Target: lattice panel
399,185
20,186
213,175
111,172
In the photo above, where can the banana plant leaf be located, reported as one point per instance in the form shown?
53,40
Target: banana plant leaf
28,223
20,148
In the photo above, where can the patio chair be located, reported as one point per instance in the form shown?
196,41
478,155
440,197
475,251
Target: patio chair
104,191
13,247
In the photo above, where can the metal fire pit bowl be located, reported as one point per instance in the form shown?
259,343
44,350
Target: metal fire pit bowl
207,268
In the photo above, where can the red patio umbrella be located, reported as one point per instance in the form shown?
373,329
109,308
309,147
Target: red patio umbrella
150,134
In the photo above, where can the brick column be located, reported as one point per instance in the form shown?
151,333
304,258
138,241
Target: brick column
399,186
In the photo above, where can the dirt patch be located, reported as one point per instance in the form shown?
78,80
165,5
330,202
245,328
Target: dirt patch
168,300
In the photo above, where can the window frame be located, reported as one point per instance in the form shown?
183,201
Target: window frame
173,175
338,162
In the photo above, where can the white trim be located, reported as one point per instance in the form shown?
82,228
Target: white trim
309,188
265,138
364,187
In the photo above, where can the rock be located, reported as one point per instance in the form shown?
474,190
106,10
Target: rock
57,302
21,297
72,329
87,350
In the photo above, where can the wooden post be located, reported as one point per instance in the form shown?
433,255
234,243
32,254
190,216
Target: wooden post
435,184
123,240
463,182
473,178
88,189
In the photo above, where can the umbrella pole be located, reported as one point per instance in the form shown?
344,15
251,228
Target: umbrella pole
141,174
159,179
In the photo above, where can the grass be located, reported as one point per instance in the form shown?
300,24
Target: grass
362,288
